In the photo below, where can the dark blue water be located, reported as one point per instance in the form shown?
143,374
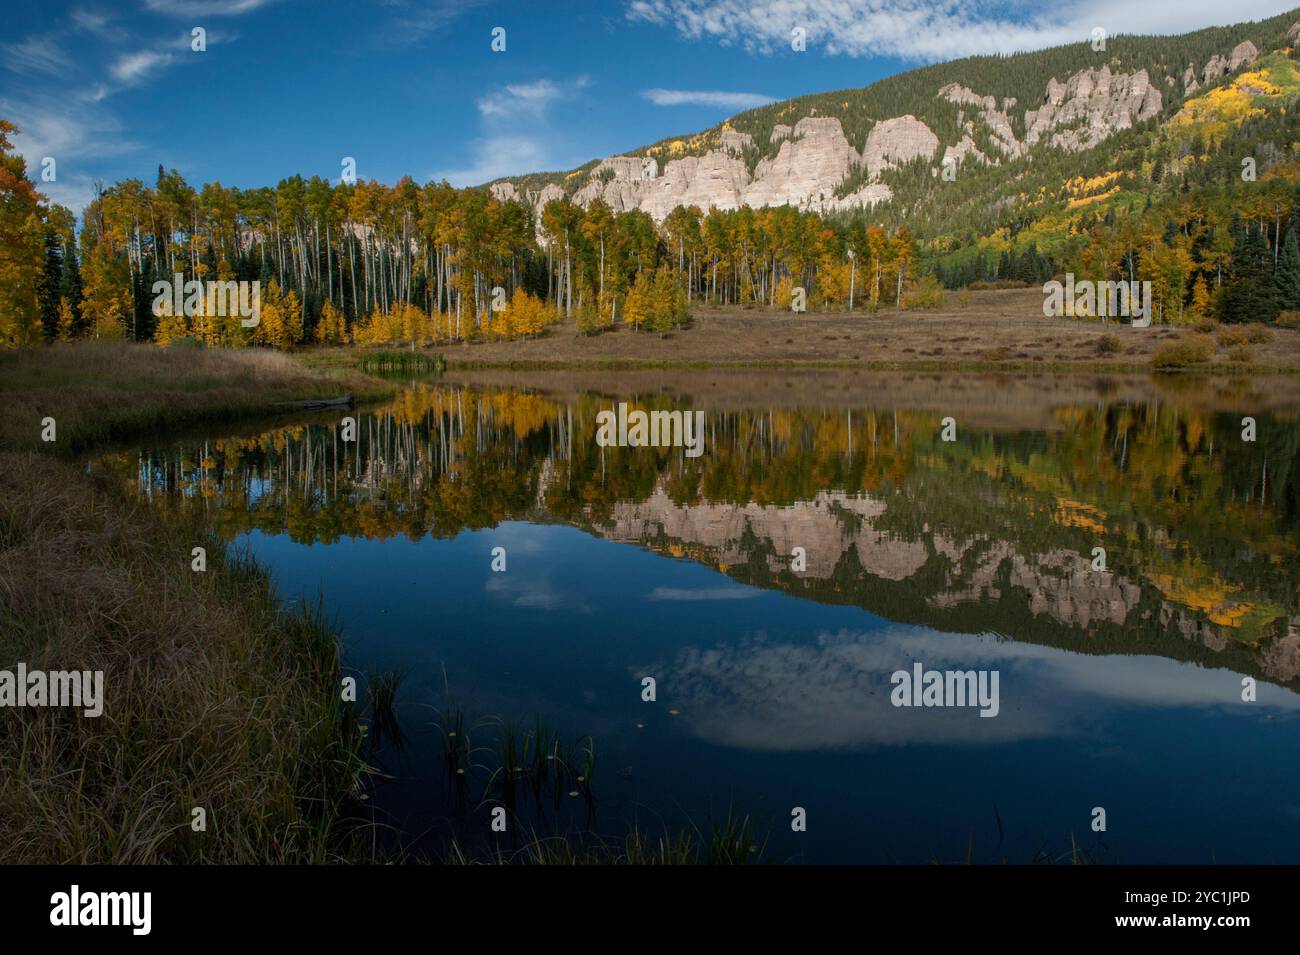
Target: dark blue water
1118,692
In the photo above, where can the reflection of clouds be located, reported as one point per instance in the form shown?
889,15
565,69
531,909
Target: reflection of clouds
703,593
834,692
518,537
533,593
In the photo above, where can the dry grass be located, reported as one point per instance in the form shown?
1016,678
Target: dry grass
213,696
994,330
101,392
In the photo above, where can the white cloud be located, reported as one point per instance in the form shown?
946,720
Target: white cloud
517,137
92,21
494,157
136,66
416,19
930,30
36,54
516,99
723,99
70,131
201,8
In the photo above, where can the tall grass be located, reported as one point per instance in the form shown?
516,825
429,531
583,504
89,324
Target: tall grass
214,696
400,363
110,391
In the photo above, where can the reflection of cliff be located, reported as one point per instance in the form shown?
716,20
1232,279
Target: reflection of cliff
991,532
936,578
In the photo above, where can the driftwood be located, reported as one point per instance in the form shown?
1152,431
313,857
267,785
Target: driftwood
313,404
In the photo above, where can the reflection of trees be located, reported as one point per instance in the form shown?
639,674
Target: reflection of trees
1204,523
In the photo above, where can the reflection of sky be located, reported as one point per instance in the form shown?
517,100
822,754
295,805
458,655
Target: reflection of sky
835,690
785,702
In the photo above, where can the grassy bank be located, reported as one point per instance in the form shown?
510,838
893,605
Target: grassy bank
985,331
213,697
100,392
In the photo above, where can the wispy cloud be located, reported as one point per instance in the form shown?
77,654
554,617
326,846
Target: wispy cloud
532,99
494,157
36,54
929,30
723,99
134,67
413,20
517,135
70,131
96,23
206,8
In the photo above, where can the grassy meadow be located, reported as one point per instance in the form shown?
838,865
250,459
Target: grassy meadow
100,392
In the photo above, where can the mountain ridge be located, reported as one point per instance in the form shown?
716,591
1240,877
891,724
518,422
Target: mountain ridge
841,151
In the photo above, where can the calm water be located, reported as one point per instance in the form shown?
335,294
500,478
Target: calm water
1119,689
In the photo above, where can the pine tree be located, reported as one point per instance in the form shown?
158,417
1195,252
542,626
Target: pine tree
1250,295
47,290
70,285
1288,273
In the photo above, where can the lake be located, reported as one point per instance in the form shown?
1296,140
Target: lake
1117,558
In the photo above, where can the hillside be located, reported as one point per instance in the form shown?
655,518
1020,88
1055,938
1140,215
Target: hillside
1020,138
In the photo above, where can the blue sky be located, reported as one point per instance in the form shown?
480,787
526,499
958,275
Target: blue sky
412,87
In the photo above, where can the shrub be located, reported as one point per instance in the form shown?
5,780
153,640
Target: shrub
1257,333
1108,344
1233,336
1206,325
1240,353
1289,319
1192,350
927,292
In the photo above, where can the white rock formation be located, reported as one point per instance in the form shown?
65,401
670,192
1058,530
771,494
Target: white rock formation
894,142
1105,102
807,167
809,162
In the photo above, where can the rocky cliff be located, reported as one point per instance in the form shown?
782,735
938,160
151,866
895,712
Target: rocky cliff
811,164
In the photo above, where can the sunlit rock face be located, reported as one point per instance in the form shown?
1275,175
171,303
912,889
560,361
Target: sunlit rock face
811,164
1091,106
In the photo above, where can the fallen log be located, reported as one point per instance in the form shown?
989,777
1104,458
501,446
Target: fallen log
312,404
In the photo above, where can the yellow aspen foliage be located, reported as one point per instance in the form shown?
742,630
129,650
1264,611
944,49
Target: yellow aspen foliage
412,322
1201,301
784,292
66,320
636,307
107,283
281,324
170,327
527,314
668,308
330,328
833,280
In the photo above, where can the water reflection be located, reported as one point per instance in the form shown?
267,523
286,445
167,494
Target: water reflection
992,533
